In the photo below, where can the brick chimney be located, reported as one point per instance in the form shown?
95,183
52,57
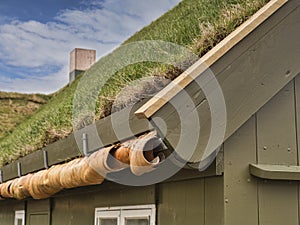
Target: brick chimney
80,60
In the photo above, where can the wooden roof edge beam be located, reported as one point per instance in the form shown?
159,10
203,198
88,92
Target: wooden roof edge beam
165,95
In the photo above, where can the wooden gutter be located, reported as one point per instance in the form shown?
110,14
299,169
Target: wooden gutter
136,154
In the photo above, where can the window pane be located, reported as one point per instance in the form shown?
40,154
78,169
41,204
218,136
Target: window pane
108,221
137,222
19,222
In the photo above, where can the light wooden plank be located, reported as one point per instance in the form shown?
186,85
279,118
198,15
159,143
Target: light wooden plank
240,189
276,136
154,104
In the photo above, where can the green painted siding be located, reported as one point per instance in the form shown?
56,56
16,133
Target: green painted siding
78,208
7,211
181,203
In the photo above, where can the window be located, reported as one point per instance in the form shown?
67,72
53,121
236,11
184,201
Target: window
127,215
20,217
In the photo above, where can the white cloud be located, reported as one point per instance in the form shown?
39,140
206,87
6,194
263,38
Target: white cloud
34,45
35,84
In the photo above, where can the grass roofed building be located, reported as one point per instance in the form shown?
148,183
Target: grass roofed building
129,167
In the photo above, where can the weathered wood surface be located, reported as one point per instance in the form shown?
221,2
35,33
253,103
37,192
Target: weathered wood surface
276,144
38,212
240,189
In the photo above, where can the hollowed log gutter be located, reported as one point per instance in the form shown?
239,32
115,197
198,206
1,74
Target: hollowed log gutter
136,154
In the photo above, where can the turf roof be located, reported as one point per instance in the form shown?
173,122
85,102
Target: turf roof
196,24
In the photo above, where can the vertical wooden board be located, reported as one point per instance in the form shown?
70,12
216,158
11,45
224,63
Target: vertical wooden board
297,107
78,206
276,129
7,211
75,210
214,201
39,219
38,212
276,136
278,203
240,189
38,206
181,203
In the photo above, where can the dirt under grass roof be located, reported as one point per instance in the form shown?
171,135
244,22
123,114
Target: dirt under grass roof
196,24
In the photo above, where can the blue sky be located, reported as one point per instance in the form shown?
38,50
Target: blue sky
37,36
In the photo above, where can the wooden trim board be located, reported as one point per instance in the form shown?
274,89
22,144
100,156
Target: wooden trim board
275,172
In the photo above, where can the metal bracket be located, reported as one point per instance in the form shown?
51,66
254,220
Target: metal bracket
85,144
19,169
45,156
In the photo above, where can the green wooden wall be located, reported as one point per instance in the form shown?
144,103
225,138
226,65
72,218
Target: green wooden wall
194,202
7,211
269,137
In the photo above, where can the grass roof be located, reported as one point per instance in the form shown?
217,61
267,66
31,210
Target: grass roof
15,108
196,24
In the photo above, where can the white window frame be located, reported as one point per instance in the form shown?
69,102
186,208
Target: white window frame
20,215
124,212
111,214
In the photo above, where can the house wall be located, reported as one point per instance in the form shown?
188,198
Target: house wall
77,206
269,137
193,201
7,211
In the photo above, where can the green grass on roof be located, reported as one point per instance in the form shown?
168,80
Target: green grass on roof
196,24
15,108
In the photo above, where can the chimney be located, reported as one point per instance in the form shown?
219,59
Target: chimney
80,61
